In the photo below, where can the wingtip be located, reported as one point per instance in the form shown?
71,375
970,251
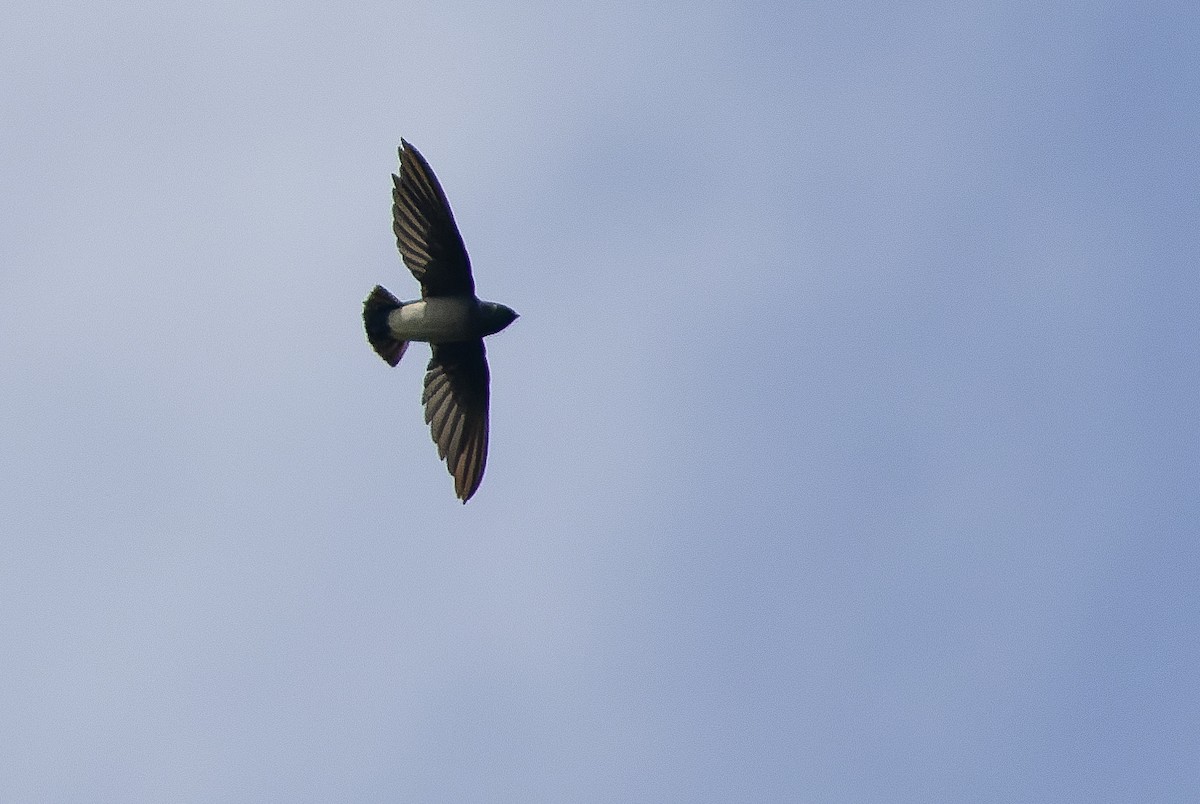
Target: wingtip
407,148
470,486
407,154
462,490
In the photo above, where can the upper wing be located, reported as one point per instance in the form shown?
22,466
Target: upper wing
425,231
456,409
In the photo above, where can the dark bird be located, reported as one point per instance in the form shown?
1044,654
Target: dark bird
448,316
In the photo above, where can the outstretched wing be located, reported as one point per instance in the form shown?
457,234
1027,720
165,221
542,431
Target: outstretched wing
456,409
425,230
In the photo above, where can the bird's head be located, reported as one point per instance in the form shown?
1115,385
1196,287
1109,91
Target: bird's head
496,316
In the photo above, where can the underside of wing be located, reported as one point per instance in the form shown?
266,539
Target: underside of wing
425,230
456,409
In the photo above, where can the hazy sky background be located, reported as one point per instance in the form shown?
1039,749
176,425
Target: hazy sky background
846,448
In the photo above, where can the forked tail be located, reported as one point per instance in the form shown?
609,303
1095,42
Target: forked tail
376,309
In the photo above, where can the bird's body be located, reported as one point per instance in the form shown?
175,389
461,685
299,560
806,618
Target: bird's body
448,316
445,319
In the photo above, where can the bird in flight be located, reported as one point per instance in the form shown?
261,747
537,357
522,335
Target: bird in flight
448,316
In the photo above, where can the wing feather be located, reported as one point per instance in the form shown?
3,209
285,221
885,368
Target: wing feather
426,233
456,409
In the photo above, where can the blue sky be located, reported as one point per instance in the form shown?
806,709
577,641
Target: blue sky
845,450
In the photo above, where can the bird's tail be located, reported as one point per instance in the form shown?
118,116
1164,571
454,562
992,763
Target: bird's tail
376,309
